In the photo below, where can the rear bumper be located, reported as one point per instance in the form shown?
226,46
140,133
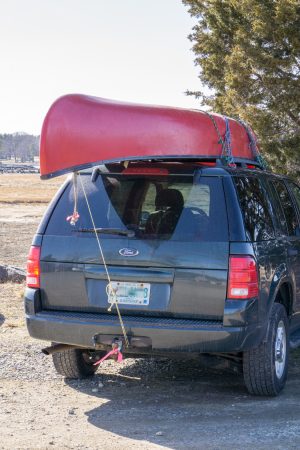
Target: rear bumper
169,335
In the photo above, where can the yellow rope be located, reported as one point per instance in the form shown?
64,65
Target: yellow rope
109,289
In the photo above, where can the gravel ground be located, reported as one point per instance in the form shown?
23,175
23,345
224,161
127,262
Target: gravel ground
144,404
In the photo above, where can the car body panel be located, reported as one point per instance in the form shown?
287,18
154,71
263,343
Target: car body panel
188,309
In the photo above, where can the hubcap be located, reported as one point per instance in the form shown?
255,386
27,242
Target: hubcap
280,349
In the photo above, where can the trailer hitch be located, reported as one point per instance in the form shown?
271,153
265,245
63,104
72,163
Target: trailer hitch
136,343
115,352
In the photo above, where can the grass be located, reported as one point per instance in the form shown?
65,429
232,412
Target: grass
27,188
11,305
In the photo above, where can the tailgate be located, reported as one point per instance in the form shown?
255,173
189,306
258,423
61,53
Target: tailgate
178,251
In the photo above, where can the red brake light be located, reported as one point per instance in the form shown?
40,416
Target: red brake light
33,267
145,171
242,278
207,163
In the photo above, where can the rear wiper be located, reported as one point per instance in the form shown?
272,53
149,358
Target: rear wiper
117,231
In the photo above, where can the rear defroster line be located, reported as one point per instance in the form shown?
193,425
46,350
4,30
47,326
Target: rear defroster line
109,288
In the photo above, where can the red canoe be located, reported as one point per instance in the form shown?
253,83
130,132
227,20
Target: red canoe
81,131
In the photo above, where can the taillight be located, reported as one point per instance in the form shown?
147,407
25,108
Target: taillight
33,267
242,278
145,171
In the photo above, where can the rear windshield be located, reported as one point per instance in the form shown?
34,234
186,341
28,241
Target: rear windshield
171,207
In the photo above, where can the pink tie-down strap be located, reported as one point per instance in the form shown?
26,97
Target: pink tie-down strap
114,351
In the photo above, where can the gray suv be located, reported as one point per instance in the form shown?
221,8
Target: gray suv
203,261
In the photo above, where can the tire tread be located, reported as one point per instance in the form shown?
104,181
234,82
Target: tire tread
70,364
258,363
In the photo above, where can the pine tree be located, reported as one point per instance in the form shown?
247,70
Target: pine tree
248,52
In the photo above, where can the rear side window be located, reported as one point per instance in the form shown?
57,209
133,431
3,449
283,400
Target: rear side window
288,208
171,207
279,216
256,209
296,191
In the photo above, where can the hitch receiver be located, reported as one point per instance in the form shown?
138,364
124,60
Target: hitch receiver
101,341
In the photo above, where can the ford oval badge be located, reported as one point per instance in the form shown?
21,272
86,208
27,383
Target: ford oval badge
128,252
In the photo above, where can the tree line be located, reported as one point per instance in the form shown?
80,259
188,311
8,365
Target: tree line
20,147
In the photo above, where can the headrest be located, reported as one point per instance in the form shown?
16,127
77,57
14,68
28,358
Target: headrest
171,198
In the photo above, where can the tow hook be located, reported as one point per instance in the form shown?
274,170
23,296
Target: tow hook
115,352
117,343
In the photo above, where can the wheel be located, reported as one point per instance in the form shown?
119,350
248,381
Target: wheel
265,367
73,363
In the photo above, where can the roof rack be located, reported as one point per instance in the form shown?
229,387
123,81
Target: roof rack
217,161
119,166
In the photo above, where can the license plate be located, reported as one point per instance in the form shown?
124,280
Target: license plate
130,293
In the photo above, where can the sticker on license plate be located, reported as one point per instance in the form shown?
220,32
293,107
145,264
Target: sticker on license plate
126,293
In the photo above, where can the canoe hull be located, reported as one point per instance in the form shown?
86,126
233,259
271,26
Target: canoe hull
81,131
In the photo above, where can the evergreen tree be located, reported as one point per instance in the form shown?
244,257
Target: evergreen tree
248,52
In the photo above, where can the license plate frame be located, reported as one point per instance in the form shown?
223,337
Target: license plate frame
130,293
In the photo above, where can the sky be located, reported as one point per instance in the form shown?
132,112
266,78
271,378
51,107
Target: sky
130,50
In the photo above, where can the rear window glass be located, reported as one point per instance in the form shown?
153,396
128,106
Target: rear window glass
256,207
169,208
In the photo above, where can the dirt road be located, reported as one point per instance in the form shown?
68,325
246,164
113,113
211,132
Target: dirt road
142,404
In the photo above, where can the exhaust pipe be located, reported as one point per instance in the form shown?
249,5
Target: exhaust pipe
57,348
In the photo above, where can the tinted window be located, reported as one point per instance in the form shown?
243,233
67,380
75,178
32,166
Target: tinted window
282,229
169,207
296,191
288,208
256,208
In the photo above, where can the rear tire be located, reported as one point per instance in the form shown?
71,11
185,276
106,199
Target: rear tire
265,367
73,363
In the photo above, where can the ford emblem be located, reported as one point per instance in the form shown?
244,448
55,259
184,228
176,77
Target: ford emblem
128,252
